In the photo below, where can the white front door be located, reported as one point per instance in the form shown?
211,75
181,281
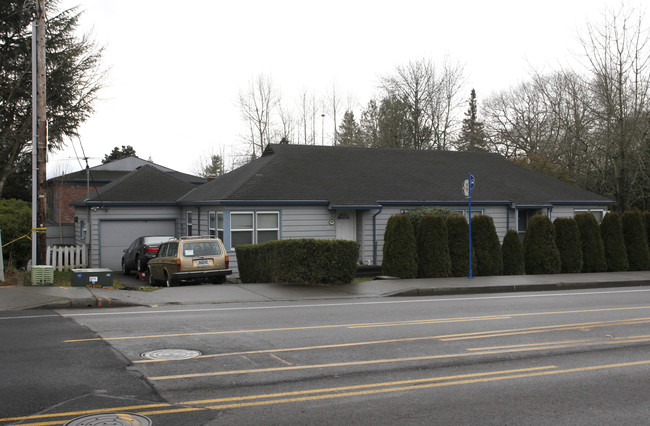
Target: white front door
346,225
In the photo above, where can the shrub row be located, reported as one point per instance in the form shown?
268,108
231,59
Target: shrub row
439,247
307,261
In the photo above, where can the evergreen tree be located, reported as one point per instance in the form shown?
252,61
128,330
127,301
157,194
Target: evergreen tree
593,251
636,241
400,248
119,153
486,246
611,230
369,125
458,234
513,254
433,249
567,240
540,251
472,135
73,77
349,133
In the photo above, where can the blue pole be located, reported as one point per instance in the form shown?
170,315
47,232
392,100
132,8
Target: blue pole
469,188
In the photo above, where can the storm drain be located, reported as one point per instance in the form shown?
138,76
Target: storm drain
112,419
170,354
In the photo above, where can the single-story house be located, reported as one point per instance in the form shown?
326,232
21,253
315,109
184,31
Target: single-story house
306,191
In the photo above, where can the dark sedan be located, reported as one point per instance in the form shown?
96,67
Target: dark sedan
144,248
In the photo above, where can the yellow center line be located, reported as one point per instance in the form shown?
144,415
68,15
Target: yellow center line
342,392
427,385
542,329
379,324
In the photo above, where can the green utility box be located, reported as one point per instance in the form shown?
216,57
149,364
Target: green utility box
96,278
42,274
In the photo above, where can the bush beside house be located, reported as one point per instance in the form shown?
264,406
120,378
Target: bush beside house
458,234
540,252
307,261
636,240
485,243
513,254
400,248
567,241
611,231
432,247
593,252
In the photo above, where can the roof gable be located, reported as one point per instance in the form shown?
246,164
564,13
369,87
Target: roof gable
146,185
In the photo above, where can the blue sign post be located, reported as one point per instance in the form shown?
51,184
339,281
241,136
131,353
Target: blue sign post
468,185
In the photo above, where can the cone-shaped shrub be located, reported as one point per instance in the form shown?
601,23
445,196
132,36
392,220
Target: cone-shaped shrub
540,252
458,234
611,231
433,249
636,240
593,252
567,241
513,254
485,243
400,253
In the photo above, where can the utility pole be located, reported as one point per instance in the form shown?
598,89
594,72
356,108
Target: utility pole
39,136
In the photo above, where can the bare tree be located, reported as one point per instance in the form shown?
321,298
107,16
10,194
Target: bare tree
411,85
617,55
257,106
445,104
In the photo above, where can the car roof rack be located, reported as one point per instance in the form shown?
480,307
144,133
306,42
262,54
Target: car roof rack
196,237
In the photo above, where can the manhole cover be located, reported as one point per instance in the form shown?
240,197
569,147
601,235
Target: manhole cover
110,419
171,354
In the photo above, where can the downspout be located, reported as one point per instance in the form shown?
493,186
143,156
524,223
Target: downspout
374,235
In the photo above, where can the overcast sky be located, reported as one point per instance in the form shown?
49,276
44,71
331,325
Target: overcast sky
176,68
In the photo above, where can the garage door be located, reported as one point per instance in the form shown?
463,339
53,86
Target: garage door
116,235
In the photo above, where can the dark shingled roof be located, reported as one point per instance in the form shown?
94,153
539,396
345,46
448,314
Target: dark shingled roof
346,176
145,185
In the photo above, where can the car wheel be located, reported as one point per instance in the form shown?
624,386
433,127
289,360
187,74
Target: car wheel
169,281
125,270
152,281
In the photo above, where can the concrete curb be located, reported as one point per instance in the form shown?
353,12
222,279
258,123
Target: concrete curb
446,291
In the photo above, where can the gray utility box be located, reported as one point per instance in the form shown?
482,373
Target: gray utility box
97,277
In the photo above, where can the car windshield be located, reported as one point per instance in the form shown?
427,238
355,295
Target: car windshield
201,248
156,240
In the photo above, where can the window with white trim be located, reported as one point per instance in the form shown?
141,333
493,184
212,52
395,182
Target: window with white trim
220,225
188,223
268,226
212,224
241,228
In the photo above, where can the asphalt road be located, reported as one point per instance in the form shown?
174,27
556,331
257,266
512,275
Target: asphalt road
573,357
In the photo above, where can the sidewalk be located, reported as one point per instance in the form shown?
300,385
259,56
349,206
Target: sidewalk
18,297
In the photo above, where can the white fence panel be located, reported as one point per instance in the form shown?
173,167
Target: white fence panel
63,258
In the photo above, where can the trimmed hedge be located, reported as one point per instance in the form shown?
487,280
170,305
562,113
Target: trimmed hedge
513,254
486,245
400,248
611,230
567,241
636,240
432,246
458,234
540,251
307,261
416,215
593,251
